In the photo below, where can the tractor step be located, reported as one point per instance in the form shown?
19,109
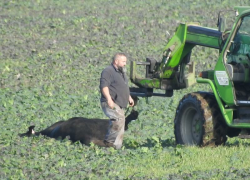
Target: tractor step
243,115
236,121
241,103
243,136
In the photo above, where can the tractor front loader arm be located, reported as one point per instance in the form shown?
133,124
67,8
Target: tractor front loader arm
169,73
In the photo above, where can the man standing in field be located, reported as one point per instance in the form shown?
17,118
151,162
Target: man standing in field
115,97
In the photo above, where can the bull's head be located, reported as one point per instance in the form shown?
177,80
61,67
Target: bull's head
29,133
132,116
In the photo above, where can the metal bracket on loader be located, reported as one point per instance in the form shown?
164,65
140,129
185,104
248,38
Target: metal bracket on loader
150,82
148,92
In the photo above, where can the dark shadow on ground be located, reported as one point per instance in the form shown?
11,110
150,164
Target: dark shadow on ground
232,142
150,143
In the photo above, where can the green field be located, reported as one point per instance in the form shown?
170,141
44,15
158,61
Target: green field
51,55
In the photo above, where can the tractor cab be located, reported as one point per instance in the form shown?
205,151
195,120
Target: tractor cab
237,60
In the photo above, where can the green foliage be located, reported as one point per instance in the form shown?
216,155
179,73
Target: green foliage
52,54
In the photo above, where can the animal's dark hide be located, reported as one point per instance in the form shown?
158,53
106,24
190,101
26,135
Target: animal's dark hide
80,129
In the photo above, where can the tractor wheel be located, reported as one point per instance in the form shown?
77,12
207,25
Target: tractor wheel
198,121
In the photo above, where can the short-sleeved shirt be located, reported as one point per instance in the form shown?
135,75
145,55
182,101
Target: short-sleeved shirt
117,83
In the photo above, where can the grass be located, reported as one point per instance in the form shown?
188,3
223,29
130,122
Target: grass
51,57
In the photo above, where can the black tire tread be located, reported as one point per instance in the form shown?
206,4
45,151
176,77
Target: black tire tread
215,130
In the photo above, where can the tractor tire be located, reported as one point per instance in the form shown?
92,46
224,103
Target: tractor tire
198,121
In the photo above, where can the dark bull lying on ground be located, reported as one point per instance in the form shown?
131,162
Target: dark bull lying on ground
80,129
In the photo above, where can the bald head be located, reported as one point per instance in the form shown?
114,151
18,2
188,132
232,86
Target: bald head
117,56
119,60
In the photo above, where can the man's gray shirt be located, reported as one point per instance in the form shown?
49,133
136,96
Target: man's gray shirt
117,83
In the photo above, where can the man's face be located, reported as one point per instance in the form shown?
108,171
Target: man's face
121,61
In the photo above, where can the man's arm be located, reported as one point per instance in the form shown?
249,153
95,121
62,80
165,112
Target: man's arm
105,92
105,82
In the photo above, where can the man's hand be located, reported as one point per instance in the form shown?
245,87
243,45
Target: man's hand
111,103
131,101
106,94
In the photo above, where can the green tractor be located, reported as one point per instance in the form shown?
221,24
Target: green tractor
204,118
